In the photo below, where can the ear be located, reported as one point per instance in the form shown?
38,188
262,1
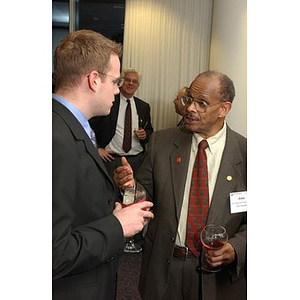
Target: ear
93,80
225,108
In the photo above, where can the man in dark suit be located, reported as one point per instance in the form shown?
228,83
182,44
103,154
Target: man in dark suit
88,226
169,267
109,129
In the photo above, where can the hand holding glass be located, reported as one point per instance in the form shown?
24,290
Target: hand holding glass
131,196
213,237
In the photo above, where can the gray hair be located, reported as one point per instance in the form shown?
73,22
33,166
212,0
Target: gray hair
130,70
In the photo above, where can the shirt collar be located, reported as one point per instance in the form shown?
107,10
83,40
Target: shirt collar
212,141
122,97
76,112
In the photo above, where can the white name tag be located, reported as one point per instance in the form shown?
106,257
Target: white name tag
238,202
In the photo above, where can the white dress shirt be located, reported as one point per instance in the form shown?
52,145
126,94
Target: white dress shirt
116,143
214,153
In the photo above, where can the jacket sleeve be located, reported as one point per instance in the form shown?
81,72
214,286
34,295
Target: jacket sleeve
239,243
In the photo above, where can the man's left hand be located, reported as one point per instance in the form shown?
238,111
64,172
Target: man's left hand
223,256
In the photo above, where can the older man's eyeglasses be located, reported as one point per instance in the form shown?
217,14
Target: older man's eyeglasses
200,105
128,80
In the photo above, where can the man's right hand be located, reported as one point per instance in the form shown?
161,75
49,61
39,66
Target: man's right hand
134,217
123,175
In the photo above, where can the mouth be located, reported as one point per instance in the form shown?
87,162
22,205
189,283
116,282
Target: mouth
191,119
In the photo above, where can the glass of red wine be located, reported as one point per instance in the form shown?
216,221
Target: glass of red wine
213,237
130,197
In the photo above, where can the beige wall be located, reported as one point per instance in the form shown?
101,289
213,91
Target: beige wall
229,54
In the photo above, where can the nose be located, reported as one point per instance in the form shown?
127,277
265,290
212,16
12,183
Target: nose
191,107
117,91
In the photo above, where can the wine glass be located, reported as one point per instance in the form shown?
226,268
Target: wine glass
213,237
131,196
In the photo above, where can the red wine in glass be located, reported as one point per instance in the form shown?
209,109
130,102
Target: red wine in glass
214,245
213,237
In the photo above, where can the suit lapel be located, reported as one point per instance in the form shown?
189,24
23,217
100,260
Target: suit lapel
80,135
179,161
94,153
138,111
228,176
115,108
114,112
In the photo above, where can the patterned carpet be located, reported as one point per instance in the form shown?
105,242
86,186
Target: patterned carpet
128,276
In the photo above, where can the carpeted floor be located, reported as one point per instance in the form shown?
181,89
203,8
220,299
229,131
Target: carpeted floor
128,276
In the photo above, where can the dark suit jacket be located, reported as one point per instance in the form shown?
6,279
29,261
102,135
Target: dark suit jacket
86,235
164,177
105,127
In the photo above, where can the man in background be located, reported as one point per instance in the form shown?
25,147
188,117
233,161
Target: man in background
110,129
88,226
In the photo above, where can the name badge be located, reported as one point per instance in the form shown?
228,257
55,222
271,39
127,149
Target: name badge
238,202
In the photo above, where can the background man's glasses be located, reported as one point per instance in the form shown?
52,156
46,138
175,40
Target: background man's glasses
128,80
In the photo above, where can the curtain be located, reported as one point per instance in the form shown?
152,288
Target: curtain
168,42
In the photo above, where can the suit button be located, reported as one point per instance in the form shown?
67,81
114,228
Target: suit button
168,261
172,239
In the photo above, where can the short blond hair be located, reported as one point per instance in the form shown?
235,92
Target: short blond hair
79,53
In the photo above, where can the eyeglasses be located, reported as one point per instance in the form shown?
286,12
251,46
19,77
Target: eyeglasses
118,81
128,80
200,105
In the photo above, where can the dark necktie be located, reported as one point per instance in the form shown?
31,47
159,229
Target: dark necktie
199,200
127,128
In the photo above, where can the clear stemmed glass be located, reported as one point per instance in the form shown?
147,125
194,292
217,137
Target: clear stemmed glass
213,237
131,196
